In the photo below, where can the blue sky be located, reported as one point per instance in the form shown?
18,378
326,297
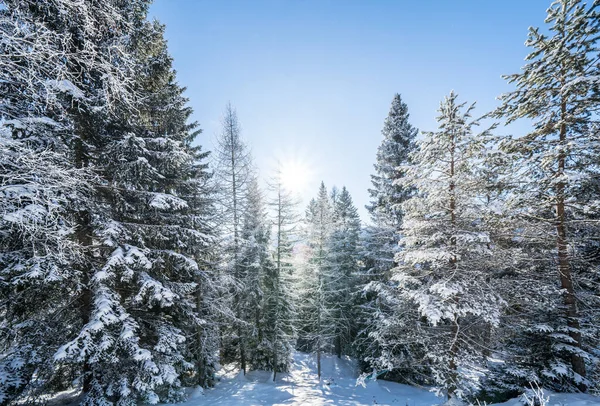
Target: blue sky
312,80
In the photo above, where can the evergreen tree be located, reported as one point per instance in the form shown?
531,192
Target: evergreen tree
340,276
38,280
49,52
306,285
314,334
558,90
393,153
149,222
389,191
327,285
446,298
279,310
379,241
255,263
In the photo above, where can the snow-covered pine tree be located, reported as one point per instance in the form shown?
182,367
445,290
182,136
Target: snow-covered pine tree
340,273
523,345
37,189
34,242
279,308
185,168
379,241
233,172
393,153
388,191
374,291
558,90
47,50
151,232
312,333
255,263
445,294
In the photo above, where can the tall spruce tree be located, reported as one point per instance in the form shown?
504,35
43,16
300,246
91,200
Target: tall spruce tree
340,273
558,90
389,192
152,237
393,153
379,241
314,335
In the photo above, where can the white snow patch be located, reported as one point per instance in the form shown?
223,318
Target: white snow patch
163,201
66,86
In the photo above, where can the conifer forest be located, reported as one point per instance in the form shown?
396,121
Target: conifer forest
141,264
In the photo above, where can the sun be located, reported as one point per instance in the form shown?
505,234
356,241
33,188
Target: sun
295,175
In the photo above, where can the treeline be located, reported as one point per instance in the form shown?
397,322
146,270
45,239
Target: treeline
133,263
479,273
480,270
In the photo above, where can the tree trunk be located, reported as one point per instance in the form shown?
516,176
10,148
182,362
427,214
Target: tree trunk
564,265
276,282
242,351
275,363
83,235
319,329
200,364
320,293
453,376
234,195
319,360
319,333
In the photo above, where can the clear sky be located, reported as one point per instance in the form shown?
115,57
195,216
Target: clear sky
312,80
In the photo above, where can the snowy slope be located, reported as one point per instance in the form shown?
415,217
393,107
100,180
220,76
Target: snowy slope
301,387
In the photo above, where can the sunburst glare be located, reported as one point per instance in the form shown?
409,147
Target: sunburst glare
295,175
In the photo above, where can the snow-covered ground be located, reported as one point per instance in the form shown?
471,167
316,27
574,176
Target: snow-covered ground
338,387
301,387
